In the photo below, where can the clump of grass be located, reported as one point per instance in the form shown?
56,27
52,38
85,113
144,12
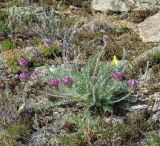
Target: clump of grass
17,130
8,44
121,29
50,51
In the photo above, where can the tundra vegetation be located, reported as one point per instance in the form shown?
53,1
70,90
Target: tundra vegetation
74,77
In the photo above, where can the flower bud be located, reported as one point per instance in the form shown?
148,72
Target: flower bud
94,79
117,75
105,39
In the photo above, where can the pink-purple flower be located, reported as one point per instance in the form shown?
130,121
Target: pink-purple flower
65,45
22,62
47,42
54,82
117,75
23,76
132,83
58,44
68,81
35,73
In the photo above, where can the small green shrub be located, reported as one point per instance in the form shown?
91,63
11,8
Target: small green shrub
121,29
94,130
8,44
154,58
85,124
76,139
50,51
66,139
16,130
12,58
12,65
153,139
67,22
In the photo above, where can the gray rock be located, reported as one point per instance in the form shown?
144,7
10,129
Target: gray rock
156,107
124,5
114,5
96,26
150,29
42,71
138,108
115,119
156,98
145,4
156,116
90,26
40,138
32,52
8,115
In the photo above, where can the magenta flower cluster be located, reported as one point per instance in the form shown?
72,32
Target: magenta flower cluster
59,44
67,81
47,42
54,82
23,76
22,62
65,45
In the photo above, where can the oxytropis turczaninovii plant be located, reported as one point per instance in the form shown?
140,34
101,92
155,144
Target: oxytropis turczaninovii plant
98,83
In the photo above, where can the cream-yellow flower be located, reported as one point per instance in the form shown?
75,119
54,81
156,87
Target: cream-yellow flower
115,60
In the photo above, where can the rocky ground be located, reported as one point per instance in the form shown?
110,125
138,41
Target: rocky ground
30,113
